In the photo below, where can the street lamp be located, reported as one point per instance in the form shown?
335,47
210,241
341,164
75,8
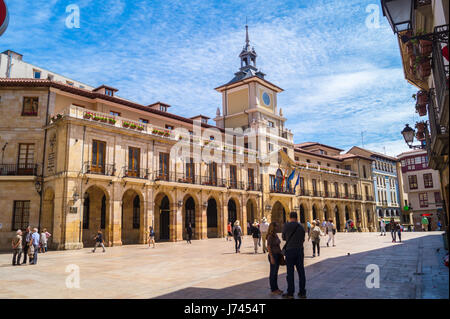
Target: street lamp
399,14
76,196
408,135
180,203
38,186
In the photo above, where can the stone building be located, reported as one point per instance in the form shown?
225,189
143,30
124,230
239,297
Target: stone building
76,160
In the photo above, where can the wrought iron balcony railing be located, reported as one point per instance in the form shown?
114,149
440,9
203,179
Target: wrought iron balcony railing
99,169
19,169
282,190
141,173
440,72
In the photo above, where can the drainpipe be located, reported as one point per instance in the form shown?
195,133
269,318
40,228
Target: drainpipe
41,177
81,187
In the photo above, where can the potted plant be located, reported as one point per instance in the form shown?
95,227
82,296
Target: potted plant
420,136
421,109
132,126
420,126
125,124
96,118
423,65
112,121
422,97
425,47
87,115
140,128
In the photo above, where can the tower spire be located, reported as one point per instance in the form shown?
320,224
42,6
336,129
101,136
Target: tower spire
247,41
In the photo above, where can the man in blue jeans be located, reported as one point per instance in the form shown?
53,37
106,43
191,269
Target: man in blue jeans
294,235
35,237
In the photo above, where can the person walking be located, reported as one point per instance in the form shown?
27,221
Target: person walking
151,237
237,235
26,237
264,228
294,235
229,234
439,225
308,225
399,232
275,257
382,227
249,228
424,223
98,241
331,231
189,233
393,226
17,248
256,235
35,239
43,241
316,232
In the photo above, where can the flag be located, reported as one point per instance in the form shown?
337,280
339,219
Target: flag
275,183
297,182
291,176
282,182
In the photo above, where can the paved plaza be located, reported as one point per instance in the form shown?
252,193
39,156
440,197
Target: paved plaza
211,269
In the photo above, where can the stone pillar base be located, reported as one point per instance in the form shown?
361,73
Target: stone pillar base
68,246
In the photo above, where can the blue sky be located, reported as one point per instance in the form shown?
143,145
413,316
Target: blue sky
340,77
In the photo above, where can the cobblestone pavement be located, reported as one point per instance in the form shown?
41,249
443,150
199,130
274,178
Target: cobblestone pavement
211,269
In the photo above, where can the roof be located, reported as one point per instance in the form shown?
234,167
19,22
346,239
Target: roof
159,103
247,78
202,116
339,157
4,82
106,87
411,153
307,144
373,153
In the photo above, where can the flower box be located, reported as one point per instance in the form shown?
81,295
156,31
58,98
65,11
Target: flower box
422,97
87,115
140,128
421,109
424,68
96,118
420,136
420,126
112,121
312,166
126,124
425,47
335,171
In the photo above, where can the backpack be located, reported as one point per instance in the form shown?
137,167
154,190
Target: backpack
236,232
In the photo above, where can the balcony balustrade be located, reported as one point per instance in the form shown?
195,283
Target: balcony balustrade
99,169
19,169
141,173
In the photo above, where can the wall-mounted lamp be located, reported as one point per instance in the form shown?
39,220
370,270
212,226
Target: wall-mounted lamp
180,203
268,207
205,204
76,196
38,186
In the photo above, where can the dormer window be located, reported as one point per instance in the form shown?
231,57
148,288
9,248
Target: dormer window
163,108
36,74
69,83
169,127
109,92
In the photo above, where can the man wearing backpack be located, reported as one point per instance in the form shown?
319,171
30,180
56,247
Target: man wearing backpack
237,235
294,235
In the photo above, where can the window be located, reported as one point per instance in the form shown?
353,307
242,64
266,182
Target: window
163,108
30,106
136,212
251,178
285,150
346,189
328,164
190,170
355,190
437,199
412,179
366,190
428,180
272,181
36,74
423,199
212,168
270,147
98,156
314,187
25,159
169,127
270,124
336,188
164,166
211,138
69,83
109,92
302,183
134,161
233,176
21,214
364,171
145,121
308,161
325,187
114,113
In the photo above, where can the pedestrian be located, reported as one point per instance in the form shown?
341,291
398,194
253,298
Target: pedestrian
275,257
237,235
352,225
98,241
17,248
393,225
249,227
399,232
229,234
308,225
294,235
189,233
259,238
151,237
26,237
331,231
439,225
264,228
35,239
316,232
255,235
43,241
424,223
324,225
382,227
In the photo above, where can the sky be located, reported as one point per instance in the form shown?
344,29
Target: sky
342,76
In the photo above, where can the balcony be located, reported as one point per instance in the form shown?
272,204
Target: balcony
254,187
282,190
369,198
19,169
325,169
440,75
304,192
438,139
99,169
141,173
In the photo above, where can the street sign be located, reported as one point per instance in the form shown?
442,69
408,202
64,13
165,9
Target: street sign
4,17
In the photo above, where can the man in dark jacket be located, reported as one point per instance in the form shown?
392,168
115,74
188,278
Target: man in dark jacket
294,235
26,238
189,233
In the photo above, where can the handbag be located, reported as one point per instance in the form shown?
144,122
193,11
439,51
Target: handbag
283,251
282,261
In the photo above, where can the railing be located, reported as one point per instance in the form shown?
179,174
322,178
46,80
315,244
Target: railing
304,192
141,173
19,169
325,169
369,198
254,187
282,190
435,128
99,169
357,197
440,72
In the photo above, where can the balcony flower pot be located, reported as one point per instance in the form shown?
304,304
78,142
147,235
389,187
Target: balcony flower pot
140,128
421,109
424,68
420,136
132,126
422,97
96,118
425,47
126,124
112,121
87,116
409,48
420,126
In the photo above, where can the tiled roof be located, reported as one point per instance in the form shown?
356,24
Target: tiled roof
306,144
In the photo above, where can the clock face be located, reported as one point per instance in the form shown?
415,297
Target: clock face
266,98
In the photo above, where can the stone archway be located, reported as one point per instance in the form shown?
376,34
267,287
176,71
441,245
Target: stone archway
95,215
326,213
251,211
337,218
132,217
189,214
278,215
48,215
163,217
232,211
212,218
315,214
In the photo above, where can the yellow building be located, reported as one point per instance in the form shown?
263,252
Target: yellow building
77,160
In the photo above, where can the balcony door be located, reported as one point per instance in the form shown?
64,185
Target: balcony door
164,166
251,179
98,156
213,173
25,160
190,171
134,155
233,176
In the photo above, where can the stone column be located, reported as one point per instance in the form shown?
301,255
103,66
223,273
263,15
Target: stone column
244,218
114,223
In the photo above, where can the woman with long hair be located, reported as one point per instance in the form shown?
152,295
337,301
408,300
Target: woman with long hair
275,257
